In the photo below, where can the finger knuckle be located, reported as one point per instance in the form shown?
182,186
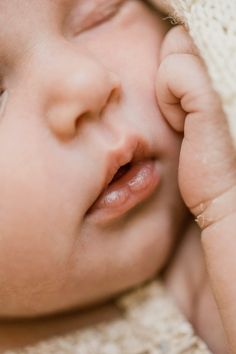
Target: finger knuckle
178,40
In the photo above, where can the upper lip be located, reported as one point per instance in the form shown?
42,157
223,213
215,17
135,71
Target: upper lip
132,150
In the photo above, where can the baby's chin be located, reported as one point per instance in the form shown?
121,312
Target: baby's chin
140,255
142,248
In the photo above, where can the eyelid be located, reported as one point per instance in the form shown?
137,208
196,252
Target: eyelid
89,16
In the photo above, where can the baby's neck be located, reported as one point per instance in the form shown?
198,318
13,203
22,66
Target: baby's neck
187,281
18,334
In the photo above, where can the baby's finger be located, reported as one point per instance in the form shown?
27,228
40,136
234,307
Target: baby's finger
177,41
182,86
183,70
190,105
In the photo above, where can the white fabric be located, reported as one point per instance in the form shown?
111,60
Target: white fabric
150,324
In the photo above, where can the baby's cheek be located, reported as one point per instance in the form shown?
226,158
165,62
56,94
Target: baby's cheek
32,265
33,244
28,251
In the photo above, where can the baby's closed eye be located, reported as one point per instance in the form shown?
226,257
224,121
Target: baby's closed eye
90,13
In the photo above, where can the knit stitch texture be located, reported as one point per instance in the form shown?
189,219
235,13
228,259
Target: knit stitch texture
150,324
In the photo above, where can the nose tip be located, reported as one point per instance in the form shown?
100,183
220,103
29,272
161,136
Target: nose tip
63,119
86,94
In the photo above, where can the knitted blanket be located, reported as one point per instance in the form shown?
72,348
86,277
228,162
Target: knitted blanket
150,324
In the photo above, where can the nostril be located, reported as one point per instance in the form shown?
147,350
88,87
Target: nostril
113,97
81,118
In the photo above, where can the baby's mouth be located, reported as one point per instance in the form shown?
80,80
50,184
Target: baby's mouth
131,184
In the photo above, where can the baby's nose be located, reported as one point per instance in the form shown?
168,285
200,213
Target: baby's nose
77,89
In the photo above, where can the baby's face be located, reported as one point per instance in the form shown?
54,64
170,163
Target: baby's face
77,103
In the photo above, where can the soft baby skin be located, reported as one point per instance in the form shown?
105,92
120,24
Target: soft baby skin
77,104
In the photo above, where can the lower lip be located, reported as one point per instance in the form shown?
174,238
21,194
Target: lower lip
127,192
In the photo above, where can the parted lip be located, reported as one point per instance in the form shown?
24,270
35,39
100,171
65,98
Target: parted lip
133,149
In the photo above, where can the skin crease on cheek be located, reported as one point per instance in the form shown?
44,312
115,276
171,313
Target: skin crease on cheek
62,133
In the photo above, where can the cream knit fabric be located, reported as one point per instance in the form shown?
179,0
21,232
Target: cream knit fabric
151,324
212,25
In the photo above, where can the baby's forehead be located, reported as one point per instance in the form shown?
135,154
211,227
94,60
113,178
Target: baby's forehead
23,22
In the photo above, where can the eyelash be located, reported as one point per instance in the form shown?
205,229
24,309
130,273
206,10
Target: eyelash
109,15
101,20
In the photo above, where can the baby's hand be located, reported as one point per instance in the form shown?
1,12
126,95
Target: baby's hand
207,167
